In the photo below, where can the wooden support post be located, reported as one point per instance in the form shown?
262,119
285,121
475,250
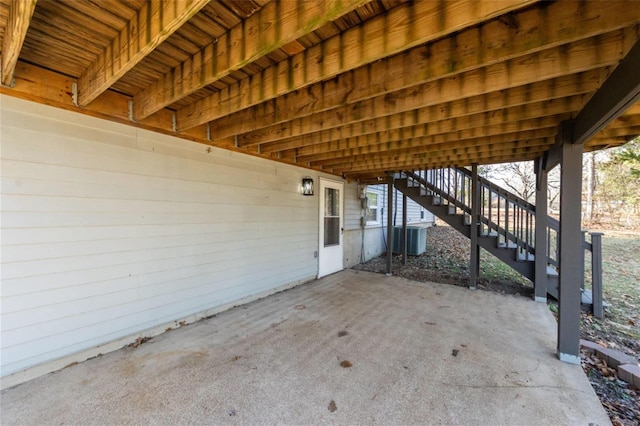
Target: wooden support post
404,229
596,273
474,266
541,278
389,224
570,279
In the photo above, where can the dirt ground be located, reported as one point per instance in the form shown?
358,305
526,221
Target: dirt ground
447,261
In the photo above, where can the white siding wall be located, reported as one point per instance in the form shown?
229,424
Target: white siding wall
415,212
375,236
108,230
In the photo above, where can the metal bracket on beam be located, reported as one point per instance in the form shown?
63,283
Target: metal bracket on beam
74,94
235,141
174,122
11,84
131,111
208,132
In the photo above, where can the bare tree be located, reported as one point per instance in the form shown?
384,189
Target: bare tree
590,184
520,178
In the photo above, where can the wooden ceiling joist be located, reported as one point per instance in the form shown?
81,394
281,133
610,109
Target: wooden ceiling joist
399,140
552,63
403,27
20,13
434,144
617,94
539,114
494,102
273,26
434,161
465,51
152,25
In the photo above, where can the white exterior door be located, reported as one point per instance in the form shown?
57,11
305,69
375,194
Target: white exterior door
331,253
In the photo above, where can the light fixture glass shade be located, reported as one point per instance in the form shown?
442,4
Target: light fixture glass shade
307,186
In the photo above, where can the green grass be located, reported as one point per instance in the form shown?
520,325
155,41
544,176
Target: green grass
621,280
493,268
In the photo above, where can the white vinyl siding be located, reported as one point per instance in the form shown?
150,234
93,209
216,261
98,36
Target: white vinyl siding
108,230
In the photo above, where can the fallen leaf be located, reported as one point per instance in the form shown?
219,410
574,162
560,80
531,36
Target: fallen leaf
332,406
455,352
342,333
235,358
346,364
299,307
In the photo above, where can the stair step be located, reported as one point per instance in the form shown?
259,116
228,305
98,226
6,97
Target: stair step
492,234
451,210
507,245
467,219
524,257
551,272
587,298
436,200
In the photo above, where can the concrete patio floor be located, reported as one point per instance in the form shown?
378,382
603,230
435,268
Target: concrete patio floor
278,360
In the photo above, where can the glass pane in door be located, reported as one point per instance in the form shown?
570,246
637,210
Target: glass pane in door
331,217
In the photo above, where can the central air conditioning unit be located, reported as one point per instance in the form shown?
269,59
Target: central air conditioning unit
416,240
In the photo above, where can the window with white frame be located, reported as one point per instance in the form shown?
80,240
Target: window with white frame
372,213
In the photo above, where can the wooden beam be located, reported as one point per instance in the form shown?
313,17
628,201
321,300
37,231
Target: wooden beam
152,25
434,162
20,13
372,175
435,154
450,145
494,102
555,62
523,117
405,26
452,140
274,25
615,132
492,42
619,92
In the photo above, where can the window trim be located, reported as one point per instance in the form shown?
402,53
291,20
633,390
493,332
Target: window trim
377,207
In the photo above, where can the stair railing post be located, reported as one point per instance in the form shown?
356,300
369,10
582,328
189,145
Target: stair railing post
596,273
389,224
474,266
541,234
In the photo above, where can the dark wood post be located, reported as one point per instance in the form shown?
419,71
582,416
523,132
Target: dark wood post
404,229
474,261
569,296
389,224
540,281
596,273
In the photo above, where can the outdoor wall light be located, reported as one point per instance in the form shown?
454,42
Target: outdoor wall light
307,186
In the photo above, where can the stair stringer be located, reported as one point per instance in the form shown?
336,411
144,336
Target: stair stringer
506,255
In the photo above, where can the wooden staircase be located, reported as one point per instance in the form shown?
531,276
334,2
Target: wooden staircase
506,226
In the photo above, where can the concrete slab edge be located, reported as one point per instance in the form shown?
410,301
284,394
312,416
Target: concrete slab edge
626,366
30,373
